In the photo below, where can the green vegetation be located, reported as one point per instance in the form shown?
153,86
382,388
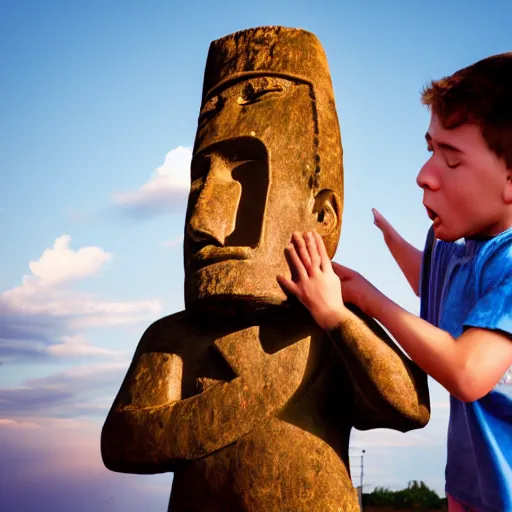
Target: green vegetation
417,496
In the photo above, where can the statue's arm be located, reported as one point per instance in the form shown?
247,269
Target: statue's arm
150,429
391,391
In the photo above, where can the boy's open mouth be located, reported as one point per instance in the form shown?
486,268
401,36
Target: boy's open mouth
431,213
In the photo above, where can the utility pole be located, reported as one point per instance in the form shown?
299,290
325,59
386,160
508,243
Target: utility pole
360,493
354,467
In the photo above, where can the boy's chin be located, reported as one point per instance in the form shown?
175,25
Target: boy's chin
441,233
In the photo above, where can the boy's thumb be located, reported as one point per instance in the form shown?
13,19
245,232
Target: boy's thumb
376,217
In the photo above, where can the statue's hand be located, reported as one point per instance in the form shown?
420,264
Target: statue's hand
242,350
143,436
283,370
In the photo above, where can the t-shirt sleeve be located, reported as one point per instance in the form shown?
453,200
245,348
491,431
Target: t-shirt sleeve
425,272
493,309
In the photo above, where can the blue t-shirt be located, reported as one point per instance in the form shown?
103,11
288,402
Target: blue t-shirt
470,285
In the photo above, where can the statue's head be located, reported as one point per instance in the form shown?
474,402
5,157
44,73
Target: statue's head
267,161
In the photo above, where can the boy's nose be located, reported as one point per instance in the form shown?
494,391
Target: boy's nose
427,177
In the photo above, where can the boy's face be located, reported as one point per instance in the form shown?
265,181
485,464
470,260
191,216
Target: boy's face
467,189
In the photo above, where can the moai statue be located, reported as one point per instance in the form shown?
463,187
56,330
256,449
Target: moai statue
242,396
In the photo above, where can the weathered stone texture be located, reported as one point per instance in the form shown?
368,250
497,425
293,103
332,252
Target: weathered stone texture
242,396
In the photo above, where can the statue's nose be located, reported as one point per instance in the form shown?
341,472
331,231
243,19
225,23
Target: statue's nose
214,215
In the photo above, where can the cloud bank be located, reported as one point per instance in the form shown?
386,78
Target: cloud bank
165,191
54,465
43,316
85,390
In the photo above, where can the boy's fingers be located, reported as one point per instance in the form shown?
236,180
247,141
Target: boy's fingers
288,285
312,249
302,251
295,263
325,261
379,220
376,217
341,271
338,270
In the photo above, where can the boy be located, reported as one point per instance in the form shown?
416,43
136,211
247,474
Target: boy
464,336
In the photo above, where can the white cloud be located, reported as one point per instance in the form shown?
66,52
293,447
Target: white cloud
85,390
43,290
46,309
174,242
80,378
61,264
78,346
17,424
66,347
166,189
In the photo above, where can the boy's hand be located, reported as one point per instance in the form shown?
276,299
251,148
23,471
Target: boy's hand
381,222
313,280
356,289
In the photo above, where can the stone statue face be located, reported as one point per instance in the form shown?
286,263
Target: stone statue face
255,172
253,156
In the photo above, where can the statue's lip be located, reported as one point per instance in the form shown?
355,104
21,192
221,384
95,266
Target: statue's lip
210,254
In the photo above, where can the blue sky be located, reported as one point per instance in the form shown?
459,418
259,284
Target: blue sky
98,107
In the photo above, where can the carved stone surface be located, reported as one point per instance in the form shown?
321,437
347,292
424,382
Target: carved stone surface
241,395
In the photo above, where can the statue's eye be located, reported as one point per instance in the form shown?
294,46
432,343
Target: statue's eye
211,107
261,88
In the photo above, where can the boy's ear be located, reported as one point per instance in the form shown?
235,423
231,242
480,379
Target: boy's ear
507,192
327,211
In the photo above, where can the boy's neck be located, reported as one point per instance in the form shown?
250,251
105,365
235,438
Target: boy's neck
484,237
480,238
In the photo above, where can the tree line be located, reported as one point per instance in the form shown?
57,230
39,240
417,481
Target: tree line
417,496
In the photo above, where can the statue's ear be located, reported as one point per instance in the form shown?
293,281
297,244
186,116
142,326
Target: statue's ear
327,211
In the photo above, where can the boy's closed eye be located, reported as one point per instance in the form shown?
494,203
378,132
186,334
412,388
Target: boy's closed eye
449,155
453,165
451,158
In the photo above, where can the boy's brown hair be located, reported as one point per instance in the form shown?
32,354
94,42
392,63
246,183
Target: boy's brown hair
479,94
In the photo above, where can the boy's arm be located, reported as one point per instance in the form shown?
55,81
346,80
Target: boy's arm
407,256
468,367
388,384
